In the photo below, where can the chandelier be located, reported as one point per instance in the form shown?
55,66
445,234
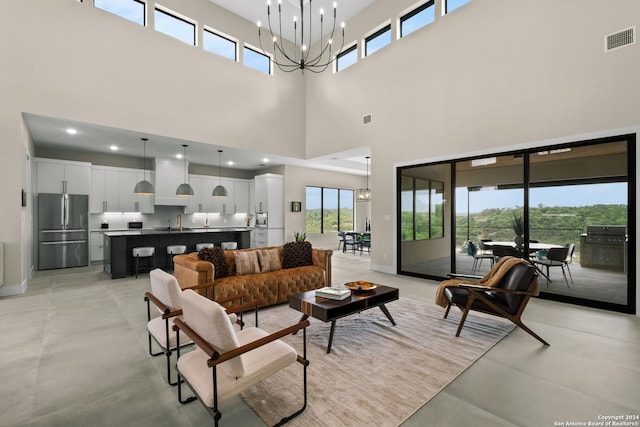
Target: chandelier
364,194
301,58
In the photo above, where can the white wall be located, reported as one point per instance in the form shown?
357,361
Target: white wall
296,179
67,59
492,74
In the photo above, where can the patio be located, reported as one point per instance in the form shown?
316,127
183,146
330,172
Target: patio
590,283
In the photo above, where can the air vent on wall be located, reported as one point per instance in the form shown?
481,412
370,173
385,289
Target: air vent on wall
366,119
620,39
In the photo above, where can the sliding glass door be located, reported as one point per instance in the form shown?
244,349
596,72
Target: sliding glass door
489,197
567,209
422,224
578,204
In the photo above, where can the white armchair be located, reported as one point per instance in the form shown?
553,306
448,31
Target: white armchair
227,362
165,296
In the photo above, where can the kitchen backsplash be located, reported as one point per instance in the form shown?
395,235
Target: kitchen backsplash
167,215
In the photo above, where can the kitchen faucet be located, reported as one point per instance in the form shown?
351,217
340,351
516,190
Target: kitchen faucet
179,222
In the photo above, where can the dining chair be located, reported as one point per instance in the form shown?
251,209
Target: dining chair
556,257
349,240
483,252
365,242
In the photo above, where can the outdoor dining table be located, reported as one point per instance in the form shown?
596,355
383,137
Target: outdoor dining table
533,246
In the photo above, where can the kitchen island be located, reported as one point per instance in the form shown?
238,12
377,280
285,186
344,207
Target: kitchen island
118,259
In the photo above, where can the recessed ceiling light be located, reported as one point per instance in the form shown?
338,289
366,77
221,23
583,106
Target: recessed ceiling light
71,131
178,156
230,163
114,148
265,160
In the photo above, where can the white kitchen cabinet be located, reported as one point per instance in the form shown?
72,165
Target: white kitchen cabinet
197,203
224,205
58,176
269,195
252,196
111,202
96,241
241,196
144,203
97,194
104,190
127,198
265,237
203,202
169,175
112,190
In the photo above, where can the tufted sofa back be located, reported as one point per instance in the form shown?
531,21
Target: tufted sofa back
268,288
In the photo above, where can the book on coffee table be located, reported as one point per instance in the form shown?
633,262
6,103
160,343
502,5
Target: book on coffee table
333,293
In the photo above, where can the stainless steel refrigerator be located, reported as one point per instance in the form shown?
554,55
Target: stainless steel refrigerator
62,230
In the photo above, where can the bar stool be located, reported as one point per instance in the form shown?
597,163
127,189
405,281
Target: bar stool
144,252
204,245
174,250
229,245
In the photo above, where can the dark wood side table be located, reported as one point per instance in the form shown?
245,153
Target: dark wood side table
329,310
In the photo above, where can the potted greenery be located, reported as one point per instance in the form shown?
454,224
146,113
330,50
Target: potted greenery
517,223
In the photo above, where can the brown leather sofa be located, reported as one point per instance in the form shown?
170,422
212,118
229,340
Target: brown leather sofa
268,288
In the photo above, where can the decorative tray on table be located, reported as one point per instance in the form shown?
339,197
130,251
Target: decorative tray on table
360,286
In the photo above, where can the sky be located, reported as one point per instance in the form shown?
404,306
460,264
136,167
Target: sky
573,196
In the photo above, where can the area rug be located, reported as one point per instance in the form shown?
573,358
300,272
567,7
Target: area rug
376,374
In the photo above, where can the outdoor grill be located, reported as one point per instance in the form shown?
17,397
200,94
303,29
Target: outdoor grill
604,246
614,235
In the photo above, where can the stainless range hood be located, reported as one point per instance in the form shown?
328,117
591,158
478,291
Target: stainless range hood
169,174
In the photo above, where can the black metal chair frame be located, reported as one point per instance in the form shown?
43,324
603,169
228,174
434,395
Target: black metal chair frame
168,313
349,239
365,242
150,263
482,254
560,261
215,358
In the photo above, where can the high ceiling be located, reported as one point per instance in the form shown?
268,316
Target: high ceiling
51,132
256,10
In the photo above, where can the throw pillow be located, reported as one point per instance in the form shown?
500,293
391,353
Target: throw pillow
296,254
269,260
216,257
246,262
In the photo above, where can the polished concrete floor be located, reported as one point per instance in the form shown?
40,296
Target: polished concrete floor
75,354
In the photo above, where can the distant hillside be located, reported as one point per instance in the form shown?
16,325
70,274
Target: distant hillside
559,225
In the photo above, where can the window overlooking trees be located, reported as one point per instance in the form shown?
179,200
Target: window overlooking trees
422,209
133,10
417,18
328,210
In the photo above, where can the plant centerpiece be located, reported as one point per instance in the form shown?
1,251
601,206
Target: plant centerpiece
518,227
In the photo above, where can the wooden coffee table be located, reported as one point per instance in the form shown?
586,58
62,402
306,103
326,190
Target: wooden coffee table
329,310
